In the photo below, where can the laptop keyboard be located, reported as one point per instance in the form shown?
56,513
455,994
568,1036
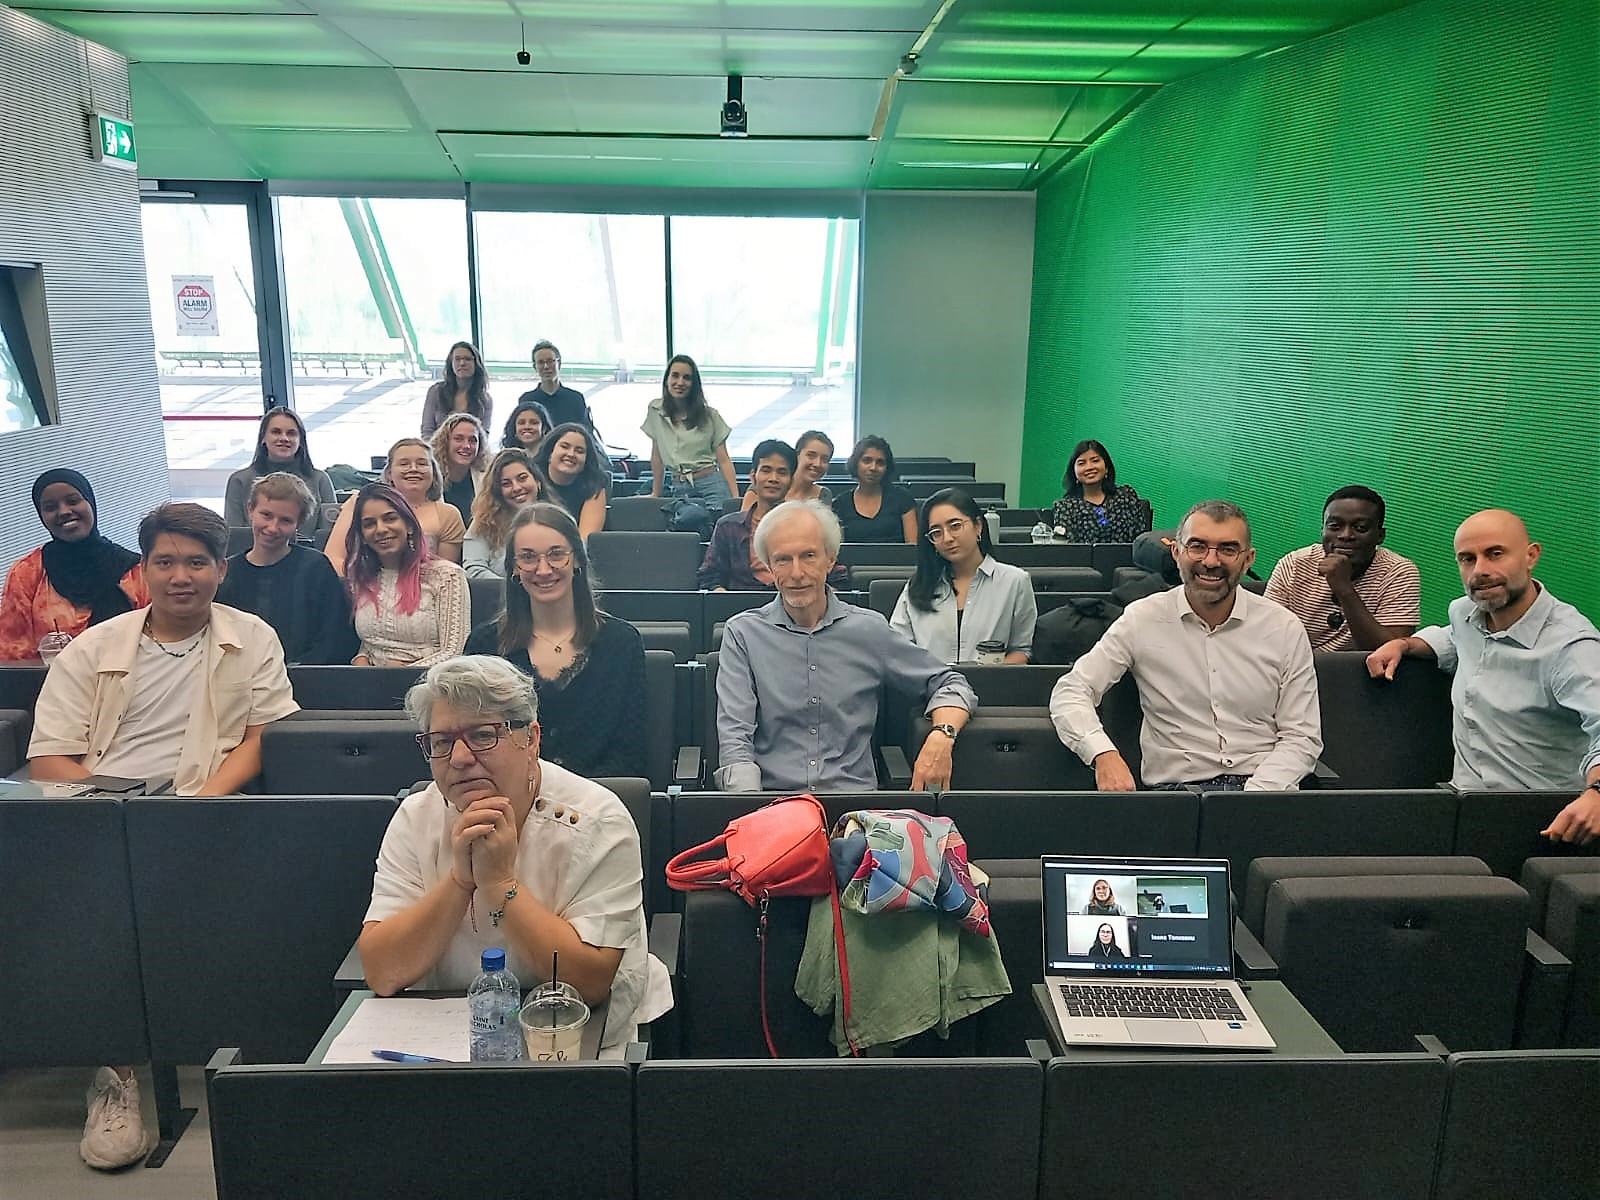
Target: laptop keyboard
1178,1002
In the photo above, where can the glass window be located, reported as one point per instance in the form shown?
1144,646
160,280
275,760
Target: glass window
376,293
203,307
767,307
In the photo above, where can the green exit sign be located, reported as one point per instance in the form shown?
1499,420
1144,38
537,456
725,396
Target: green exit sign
113,141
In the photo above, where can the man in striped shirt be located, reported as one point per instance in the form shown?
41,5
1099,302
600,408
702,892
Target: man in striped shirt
1349,591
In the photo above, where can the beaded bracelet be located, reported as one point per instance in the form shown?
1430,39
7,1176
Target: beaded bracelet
511,894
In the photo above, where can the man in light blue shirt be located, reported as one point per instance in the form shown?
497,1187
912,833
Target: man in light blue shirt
798,680
1526,694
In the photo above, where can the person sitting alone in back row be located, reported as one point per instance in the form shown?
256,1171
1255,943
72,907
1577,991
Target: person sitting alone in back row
292,588
1349,590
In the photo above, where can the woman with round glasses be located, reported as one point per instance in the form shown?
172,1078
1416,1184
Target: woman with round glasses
960,596
507,848
587,667
1095,507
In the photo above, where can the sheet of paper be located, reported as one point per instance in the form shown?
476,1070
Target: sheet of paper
436,1028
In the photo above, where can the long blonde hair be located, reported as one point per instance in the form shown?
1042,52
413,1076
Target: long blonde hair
492,513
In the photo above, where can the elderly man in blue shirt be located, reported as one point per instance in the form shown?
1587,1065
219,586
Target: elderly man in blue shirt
1526,694
799,679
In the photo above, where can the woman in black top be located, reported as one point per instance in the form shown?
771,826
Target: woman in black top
1105,944
587,667
877,509
1095,508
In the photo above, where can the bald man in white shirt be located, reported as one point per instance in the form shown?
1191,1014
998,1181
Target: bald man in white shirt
1225,677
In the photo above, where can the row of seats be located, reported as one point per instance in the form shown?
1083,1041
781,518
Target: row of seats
1401,1126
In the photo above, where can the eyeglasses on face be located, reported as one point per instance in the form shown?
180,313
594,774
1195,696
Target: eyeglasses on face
1227,551
441,743
950,529
557,557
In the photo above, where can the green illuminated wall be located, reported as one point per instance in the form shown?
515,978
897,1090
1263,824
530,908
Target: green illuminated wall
1374,258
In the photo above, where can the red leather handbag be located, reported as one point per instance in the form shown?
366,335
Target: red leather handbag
780,849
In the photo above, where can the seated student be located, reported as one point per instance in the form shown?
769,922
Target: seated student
562,405
526,426
587,667
411,609
576,469
464,388
290,587
960,596
555,856
1105,944
512,481
1095,507
75,580
1103,903
813,453
878,509
411,471
1349,590
178,691
461,449
280,446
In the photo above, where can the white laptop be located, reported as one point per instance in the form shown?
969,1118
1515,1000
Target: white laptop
1139,952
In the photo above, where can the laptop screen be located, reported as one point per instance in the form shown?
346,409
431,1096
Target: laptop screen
1145,916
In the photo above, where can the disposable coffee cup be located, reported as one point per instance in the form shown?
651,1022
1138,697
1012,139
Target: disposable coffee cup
991,652
52,644
553,1017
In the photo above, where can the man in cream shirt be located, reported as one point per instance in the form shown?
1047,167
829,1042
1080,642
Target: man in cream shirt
179,690
1225,677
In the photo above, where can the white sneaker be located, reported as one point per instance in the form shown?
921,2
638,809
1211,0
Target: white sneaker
114,1135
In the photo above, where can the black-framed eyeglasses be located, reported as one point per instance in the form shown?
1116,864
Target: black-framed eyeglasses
441,743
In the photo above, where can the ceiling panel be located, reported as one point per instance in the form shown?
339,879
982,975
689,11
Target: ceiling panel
654,162
214,38
293,97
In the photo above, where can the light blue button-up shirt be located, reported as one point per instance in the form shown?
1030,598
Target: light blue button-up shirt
1525,701
1000,607
796,707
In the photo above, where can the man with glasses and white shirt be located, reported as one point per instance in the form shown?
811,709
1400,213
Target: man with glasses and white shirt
1225,677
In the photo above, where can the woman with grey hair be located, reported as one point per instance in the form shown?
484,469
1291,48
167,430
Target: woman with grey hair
503,849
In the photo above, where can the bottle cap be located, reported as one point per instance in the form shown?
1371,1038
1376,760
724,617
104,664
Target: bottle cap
494,959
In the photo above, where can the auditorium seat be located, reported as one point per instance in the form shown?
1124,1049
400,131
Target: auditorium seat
1378,960
1520,1123
1244,826
648,561
1266,871
348,756
245,907
1261,1126
1381,733
1572,926
636,514
381,1131
1502,828
873,1128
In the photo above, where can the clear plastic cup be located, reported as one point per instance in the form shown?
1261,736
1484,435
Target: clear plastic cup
52,644
553,1018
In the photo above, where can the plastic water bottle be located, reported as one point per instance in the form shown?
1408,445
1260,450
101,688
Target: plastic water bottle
494,1002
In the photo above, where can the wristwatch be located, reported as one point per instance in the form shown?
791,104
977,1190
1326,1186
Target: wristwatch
948,730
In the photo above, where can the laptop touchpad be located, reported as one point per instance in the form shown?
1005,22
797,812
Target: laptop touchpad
1164,1033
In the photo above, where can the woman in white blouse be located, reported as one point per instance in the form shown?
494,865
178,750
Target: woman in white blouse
411,609
960,596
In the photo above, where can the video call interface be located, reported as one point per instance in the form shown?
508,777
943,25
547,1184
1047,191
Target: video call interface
1124,919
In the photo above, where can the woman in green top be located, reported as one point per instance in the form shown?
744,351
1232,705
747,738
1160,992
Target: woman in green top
689,438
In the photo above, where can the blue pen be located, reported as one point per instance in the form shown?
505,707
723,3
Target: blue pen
402,1056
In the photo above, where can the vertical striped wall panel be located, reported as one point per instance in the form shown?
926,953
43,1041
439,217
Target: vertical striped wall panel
1373,258
79,220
